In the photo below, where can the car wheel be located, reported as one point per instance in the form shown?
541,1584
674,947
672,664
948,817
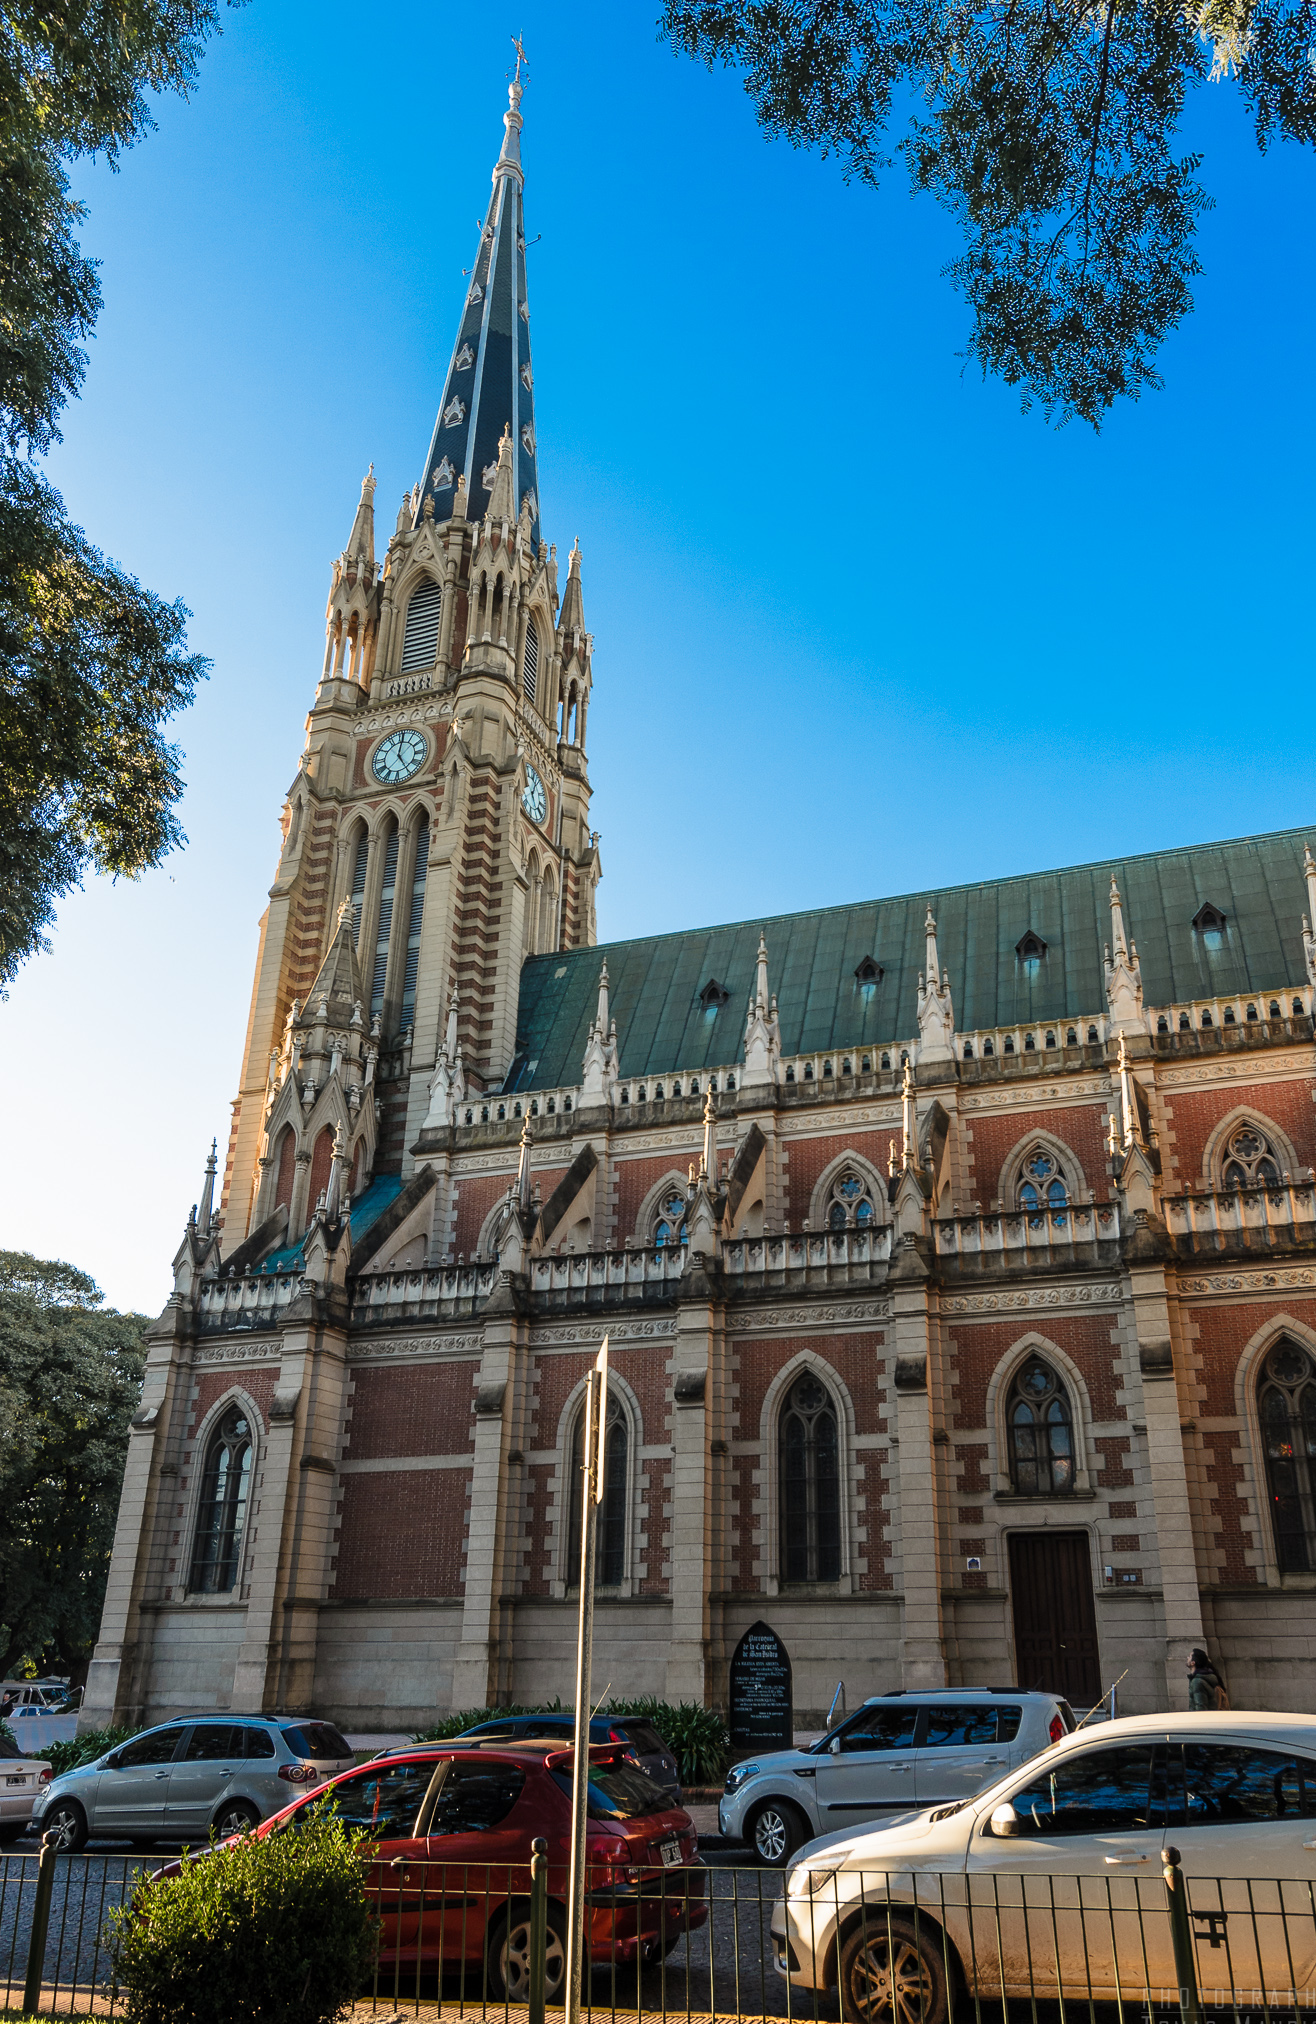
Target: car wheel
66,1824
509,1955
776,1831
892,1972
235,1816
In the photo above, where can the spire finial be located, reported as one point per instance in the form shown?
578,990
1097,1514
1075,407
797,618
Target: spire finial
206,1213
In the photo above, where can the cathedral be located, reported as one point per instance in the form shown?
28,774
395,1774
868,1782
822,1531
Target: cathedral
957,1252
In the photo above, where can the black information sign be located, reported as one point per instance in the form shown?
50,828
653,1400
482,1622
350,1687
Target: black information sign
761,1714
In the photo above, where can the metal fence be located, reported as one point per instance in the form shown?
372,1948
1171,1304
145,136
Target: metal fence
996,1946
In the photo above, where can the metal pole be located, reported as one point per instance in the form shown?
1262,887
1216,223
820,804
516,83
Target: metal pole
1181,1935
591,1490
538,1926
36,1945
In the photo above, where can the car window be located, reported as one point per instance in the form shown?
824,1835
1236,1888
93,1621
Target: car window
384,1799
955,1725
618,1792
316,1739
1102,1792
881,1729
1233,1782
157,1748
475,1797
642,1735
211,1741
258,1743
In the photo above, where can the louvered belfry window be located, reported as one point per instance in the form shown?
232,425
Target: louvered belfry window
385,927
420,645
530,670
417,915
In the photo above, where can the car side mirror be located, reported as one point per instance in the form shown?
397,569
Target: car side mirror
112,1761
835,1746
1005,1821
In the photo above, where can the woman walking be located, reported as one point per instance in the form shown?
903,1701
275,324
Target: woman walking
1206,1689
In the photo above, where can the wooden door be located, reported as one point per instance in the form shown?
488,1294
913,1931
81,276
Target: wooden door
1055,1624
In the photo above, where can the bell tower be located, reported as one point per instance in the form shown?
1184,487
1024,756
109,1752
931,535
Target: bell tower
437,829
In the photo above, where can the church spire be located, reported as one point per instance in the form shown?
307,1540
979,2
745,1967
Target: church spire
489,388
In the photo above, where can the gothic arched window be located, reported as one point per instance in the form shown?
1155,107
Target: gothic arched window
849,1202
384,926
1249,1160
809,1470
286,1172
1287,1403
1041,1432
420,643
547,939
322,1154
217,1544
407,1016
610,1537
1042,1182
530,665
670,1225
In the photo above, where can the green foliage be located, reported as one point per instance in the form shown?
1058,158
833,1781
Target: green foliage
70,1378
454,1725
91,664
277,1929
84,1749
696,1736
1049,135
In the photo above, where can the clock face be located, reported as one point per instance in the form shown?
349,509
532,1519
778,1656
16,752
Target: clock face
534,800
399,755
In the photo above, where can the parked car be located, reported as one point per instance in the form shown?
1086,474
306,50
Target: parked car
896,1753
451,1826
641,1743
1049,1883
188,1776
22,1779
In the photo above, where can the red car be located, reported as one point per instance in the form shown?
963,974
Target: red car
450,1830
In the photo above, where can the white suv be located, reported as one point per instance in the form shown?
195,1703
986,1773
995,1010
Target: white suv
1049,1884
898,1752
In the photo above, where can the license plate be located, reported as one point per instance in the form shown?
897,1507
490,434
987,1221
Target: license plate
17,1781
671,1853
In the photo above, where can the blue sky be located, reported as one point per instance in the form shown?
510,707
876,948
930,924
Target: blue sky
860,626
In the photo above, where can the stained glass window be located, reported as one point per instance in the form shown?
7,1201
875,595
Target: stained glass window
1250,1160
1041,1432
217,1548
1042,1183
849,1201
1287,1401
810,1485
610,1537
670,1227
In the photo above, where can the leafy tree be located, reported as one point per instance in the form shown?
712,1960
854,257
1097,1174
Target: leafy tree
70,1376
91,664
1048,129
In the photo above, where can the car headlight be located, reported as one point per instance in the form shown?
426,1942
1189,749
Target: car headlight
738,1774
806,1882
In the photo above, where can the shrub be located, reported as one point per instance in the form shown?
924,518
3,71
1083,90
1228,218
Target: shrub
469,1718
277,1930
83,1749
696,1736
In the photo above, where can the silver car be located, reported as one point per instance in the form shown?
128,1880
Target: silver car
189,1777
896,1753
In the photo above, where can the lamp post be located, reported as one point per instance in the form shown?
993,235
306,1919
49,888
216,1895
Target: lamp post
591,1493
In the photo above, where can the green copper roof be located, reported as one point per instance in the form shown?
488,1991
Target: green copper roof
1256,882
